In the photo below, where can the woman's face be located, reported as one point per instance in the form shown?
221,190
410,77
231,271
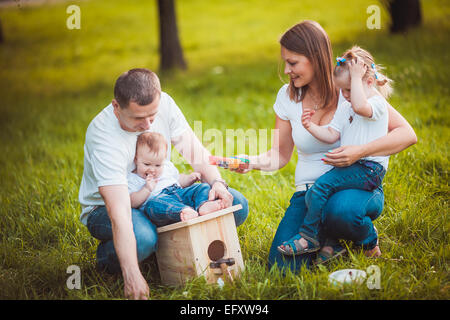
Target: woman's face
298,67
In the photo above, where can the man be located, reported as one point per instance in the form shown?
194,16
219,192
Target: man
127,235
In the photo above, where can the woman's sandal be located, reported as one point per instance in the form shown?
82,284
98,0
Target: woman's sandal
325,256
296,248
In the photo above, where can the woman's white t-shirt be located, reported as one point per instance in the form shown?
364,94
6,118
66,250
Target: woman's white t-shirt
109,150
309,149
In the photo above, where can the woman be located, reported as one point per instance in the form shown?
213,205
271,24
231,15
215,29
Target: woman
348,215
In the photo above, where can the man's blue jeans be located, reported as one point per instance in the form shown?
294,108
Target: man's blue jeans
165,208
99,225
347,215
364,175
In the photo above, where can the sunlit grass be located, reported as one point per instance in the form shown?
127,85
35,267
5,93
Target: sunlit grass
54,81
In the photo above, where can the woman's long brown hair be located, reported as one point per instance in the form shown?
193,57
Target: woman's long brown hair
308,38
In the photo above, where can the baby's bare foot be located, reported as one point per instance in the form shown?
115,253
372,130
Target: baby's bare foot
210,206
187,214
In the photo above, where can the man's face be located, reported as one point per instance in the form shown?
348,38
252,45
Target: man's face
136,118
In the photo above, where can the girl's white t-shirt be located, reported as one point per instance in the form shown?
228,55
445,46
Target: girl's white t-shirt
309,149
359,130
170,176
109,150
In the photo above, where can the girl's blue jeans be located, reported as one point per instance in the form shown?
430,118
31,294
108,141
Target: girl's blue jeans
165,208
364,175
347,215
99,225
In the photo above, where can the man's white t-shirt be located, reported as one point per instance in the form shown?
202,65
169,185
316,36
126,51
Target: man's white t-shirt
309,149
358,130
169,177
109,150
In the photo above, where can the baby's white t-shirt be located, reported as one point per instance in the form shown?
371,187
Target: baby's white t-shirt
359,130
109,150
169,177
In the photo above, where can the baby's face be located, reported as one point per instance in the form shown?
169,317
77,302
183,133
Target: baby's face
148,164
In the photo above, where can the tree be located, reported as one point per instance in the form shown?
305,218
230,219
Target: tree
1,33
171,53
404,14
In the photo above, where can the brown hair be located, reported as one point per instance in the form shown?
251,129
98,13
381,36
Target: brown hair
308,38
154,141
136,85
382,83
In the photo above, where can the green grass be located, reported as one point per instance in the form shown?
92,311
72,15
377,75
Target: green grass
55,80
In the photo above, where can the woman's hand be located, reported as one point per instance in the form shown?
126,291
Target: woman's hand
245,167
344,156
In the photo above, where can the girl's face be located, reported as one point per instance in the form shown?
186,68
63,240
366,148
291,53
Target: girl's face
344,83
149,164
298,67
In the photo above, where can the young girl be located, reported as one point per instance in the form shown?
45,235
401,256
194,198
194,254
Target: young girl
363,119
157,187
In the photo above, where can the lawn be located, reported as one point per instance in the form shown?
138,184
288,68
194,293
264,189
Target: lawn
55,80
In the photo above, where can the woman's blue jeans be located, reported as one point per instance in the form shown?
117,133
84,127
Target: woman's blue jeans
99,225
348,215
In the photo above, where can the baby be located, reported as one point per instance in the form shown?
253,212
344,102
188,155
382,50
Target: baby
157,188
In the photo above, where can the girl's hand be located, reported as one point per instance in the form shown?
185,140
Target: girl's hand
357,68
306,117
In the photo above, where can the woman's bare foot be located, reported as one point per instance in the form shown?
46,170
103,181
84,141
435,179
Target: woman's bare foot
210,206
187,214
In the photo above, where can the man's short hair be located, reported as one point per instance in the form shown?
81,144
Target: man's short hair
136,85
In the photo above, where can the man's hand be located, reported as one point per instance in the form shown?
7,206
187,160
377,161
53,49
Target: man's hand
344,156
218,191
135,286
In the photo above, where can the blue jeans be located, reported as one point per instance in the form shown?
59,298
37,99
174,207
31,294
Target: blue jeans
347,215
364,175
165,208
99,226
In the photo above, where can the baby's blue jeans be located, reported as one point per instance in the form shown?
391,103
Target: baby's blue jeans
99,225
165,207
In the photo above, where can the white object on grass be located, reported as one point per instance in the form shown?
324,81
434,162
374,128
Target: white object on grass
347,276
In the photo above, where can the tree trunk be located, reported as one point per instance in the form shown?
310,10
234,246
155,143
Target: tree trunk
404,14
171,53
1,33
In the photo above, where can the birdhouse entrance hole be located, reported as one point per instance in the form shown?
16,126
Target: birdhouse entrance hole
216,250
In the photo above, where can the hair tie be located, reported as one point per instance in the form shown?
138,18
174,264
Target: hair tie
340,60
375,70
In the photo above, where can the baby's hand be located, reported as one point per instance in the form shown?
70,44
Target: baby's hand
150,183
195,176
306,117
357,68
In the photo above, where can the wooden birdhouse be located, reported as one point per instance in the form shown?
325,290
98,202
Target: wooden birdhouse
207,245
